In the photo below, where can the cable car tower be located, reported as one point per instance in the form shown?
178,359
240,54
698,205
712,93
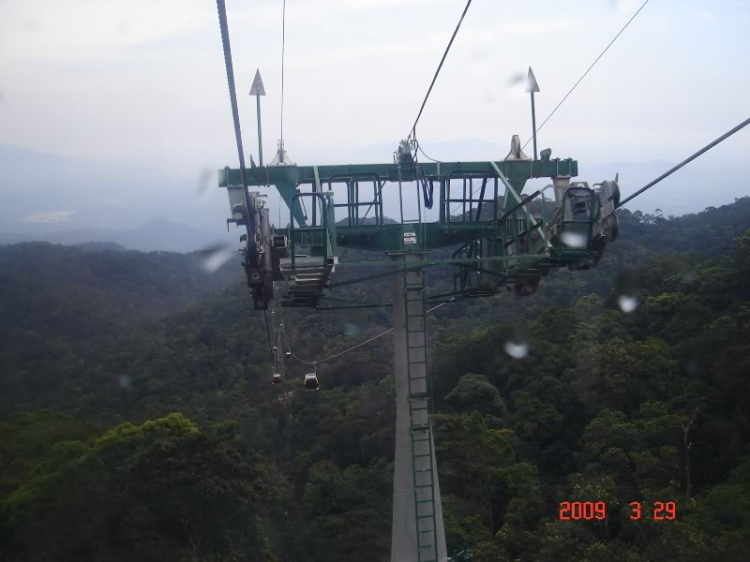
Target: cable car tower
496,244
497,247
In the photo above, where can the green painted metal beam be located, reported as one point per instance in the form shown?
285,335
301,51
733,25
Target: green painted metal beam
287,192
286,178
517,171
387,237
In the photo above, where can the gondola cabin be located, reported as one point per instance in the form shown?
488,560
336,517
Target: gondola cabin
288,355
311,382
276,378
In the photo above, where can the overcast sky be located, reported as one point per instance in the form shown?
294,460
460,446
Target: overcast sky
143,81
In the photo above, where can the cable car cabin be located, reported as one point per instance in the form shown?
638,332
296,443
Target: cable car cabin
581,209
311,382
276,378
288,354
588,222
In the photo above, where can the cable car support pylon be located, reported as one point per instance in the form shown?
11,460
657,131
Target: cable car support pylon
417,509
502,240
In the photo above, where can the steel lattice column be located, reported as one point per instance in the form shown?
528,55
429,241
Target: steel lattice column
404,541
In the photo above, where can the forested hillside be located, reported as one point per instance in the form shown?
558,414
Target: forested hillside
137,421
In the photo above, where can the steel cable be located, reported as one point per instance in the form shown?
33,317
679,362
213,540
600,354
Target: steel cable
353,347
687,161
587,71
573,88
412,132
283,49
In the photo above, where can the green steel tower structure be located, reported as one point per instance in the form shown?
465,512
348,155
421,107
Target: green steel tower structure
502,239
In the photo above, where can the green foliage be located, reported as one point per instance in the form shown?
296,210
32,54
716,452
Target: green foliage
334,498
475,392
96,463
154,491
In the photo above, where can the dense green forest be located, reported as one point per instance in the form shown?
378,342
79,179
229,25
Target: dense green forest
137,422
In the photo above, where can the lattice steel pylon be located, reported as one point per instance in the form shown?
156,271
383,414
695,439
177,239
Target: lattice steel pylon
497,244
501,240
417,510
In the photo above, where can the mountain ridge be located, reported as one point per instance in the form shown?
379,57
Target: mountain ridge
156,234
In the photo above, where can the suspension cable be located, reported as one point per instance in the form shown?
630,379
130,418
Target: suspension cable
289,349
685,162
702,151
381,334
283,48
587,71
282,327
268,332
227,48
356,346
437,72
539,128
224,26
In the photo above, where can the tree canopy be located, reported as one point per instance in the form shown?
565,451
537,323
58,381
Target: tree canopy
137,421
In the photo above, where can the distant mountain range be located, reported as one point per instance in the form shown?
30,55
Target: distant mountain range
45,193
690,190
158,234
48,197
365,221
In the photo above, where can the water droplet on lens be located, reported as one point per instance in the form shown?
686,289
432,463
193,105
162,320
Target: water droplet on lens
516,350
627,303
205,181
516,78
626,289
574,239
214,257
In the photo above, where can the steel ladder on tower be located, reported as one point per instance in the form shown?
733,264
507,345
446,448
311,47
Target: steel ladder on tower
419,413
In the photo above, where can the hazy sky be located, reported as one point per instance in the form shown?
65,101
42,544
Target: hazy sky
143,81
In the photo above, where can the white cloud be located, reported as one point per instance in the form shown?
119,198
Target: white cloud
627,6
378,4
93,29
48,217
534,26
144,79
707,16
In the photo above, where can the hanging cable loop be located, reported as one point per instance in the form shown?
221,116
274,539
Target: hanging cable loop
381,334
